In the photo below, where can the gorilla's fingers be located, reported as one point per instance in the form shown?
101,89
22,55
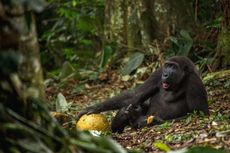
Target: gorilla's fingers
79,115
89,110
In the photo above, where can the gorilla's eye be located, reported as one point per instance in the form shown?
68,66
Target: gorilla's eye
171,65
174,66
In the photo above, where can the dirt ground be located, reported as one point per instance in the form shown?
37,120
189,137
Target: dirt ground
213,130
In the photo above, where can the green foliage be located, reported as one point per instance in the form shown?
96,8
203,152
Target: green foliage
203,62
215,23
134,62
181,45
72,33
209,12
106,54
178,137
164,126
162,146
204,150
220,117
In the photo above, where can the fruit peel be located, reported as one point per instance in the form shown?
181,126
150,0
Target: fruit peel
96,122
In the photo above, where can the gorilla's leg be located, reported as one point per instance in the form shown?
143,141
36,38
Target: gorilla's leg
120,121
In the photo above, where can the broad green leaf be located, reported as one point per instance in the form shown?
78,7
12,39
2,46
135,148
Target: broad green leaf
162,146
61,103
134,62
85,23
186,44
185,35
106,54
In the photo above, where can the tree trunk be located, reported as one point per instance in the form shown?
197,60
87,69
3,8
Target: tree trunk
18,33
222,57
140,25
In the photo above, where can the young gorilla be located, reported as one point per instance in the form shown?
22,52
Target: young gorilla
169,93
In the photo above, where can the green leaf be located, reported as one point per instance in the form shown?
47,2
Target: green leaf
74,3
106,54
85,23
186,44
134,62
185,34
86,42
61,103
174,40
162,146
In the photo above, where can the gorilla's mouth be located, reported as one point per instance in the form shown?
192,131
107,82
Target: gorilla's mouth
165,85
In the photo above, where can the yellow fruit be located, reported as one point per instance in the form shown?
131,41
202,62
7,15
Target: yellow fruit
93,122
150,119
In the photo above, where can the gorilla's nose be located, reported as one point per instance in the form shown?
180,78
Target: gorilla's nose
165,75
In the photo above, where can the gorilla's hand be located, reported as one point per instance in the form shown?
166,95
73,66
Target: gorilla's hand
140,122
88,110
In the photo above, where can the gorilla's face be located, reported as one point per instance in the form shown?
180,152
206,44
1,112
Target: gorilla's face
172,74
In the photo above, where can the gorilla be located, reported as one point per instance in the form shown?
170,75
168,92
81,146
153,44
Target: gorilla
171,92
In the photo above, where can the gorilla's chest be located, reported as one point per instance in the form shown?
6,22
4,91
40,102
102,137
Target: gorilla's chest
172,97
169,104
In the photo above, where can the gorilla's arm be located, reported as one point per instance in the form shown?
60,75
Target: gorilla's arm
137,96
196,95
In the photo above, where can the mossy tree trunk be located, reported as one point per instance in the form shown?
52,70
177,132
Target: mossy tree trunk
222,57
137,25
18,33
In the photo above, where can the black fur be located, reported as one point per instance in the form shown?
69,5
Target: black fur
169,93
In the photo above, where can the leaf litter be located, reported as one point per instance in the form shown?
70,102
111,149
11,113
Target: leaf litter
213,130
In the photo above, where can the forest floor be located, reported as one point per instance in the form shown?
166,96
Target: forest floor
213,130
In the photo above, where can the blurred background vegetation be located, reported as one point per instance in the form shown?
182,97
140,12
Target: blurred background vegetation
98,35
